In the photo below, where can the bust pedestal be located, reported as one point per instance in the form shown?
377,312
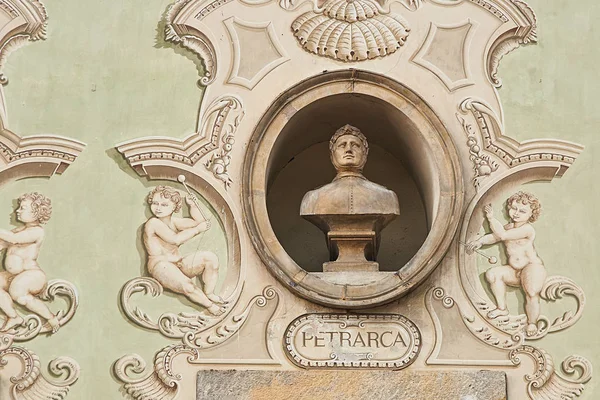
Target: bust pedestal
352,239
351,248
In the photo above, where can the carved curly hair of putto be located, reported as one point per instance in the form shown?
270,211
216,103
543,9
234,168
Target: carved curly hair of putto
527,198
40,205
167,193
349,130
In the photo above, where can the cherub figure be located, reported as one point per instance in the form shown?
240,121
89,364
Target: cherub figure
525,268
164,233
23,280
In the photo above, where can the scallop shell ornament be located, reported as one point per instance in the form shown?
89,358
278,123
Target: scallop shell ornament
350,30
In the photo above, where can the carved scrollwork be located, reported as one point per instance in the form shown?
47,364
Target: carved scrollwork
555,288
220,333
162,382
197,330
512,40
194,40
169,324
33,29
545,383
478,328
30,384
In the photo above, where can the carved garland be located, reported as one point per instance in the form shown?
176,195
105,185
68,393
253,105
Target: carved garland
483,165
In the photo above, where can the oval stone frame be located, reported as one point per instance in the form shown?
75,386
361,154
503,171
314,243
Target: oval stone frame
446,198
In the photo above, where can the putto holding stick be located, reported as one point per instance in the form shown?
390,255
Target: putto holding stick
525,269
164,233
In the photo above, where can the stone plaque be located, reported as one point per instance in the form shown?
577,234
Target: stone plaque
352,341
351,385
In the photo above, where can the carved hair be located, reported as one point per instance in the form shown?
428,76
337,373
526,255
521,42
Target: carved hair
167,193
349,130
527,198
40,205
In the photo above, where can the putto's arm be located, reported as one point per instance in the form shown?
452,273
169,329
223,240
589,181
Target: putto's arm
194,210
23,237
165,233
521,232
197,219
489,239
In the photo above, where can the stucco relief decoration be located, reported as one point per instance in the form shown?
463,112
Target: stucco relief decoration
28,299
351,30
445,53
249,69
524,269
215,137
30,17
262,78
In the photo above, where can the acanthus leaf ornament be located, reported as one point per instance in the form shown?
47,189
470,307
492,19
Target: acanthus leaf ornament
30,384
160,383
545,383
195,41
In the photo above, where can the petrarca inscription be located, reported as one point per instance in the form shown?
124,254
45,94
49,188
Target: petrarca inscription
352,341
370,339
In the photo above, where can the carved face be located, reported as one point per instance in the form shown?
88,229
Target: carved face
348,153
25,212
161,206
519,212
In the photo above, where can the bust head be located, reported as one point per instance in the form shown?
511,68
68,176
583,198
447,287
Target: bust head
349,149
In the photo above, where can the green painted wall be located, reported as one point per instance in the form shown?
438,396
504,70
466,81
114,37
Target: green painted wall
104,76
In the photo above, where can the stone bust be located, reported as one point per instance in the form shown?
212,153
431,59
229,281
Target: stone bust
351,210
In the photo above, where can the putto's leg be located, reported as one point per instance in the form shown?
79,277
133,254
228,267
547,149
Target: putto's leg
532,280
23,290
6,304
499,278
174,279
206,264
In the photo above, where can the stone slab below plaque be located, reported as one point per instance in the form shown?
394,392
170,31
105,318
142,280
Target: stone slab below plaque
350,385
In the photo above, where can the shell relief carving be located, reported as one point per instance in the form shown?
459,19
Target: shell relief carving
350,30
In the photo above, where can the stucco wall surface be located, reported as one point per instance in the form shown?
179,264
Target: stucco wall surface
105,75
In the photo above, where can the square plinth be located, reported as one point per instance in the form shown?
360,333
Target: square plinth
350,385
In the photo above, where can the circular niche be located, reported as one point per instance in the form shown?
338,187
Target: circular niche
410,152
